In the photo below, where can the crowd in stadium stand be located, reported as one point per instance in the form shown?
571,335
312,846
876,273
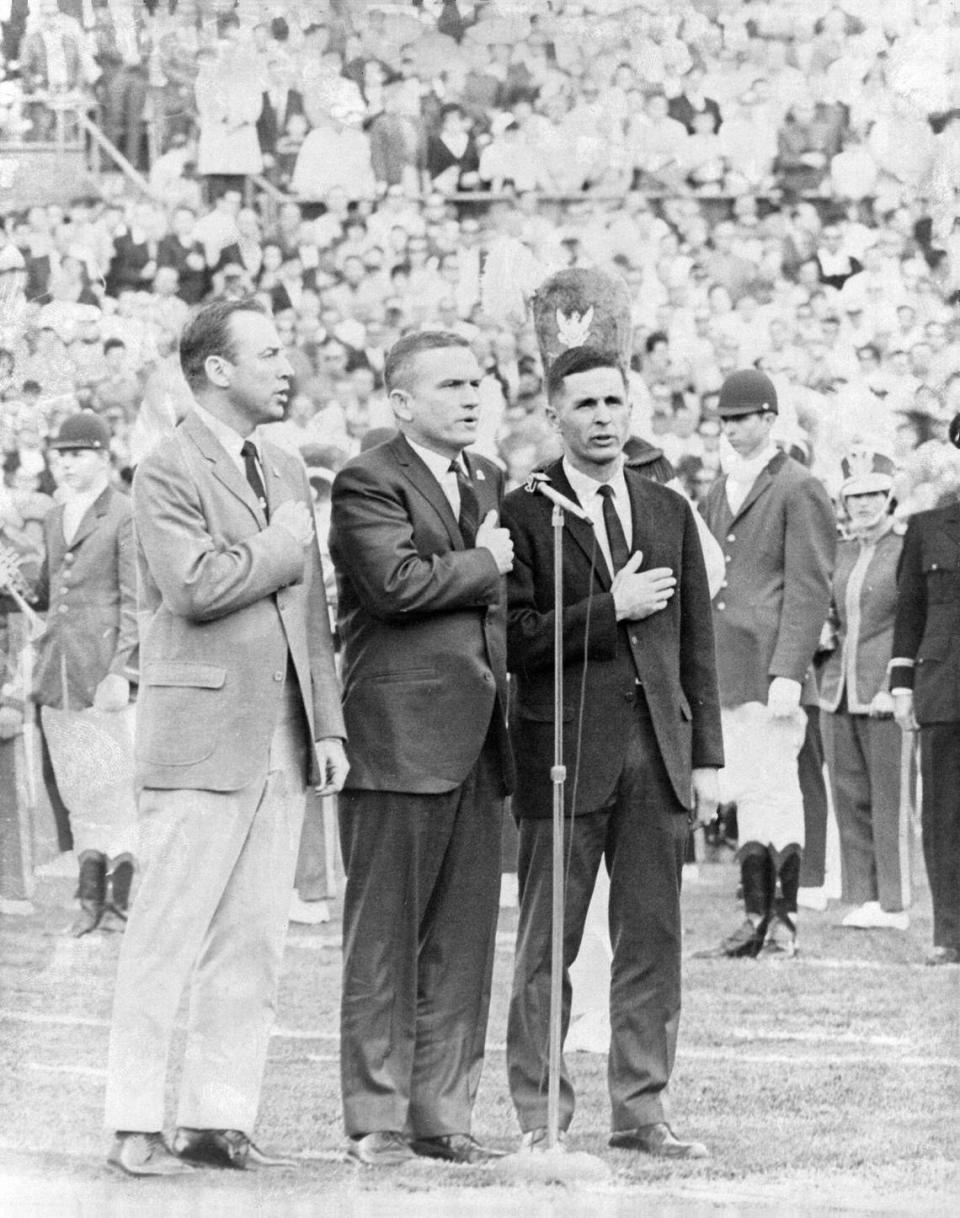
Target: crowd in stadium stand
774,182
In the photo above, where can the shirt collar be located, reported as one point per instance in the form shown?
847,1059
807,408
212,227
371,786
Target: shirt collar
748,470
436,463
583,486
229,439
82,501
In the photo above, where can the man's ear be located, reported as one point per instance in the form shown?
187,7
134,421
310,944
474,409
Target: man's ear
400,401
215,366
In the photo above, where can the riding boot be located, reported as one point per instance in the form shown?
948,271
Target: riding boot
91,890
115,912
757,878
781,936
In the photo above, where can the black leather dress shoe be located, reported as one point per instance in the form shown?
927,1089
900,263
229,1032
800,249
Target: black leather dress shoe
381,1148
746,941
145,1154
224,1148
455,1148
943,955
659,1140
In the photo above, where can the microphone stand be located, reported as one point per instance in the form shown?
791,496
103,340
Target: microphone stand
540,484
558,776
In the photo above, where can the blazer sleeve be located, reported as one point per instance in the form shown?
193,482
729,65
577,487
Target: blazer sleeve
810,548
911,616
698,664
124,662
200,578
372,533
327,713
589,623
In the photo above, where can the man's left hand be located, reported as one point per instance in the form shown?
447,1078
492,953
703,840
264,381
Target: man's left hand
706,794
113,693
333,765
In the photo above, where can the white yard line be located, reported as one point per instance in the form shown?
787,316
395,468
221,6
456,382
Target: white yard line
44,1018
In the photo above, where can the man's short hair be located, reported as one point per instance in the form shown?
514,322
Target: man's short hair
208,333
401,356
579,359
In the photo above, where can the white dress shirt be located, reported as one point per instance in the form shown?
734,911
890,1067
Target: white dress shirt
587,491
439,466
742,474
77,506
232,442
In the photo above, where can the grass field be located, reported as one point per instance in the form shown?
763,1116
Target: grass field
829,1084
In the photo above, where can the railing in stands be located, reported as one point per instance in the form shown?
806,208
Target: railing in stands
113,152
71,130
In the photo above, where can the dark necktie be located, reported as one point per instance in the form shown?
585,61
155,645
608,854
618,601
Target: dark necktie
469,518
619,550
249,454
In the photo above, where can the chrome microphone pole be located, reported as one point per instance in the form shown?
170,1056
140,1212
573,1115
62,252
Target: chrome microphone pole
539,484
558,775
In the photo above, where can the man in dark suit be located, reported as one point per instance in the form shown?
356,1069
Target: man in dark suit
420,563
778,532
238,711
925,683
641,745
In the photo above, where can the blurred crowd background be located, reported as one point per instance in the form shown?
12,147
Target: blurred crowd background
776,182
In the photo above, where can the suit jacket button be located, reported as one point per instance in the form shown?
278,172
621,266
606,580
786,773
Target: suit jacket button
64,608
634,640
721,605
278,676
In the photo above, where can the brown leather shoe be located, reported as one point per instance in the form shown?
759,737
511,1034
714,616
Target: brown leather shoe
145,1154
659,1140
382,1148
455,1148
224,1148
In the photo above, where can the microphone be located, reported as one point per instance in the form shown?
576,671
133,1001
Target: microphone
539,484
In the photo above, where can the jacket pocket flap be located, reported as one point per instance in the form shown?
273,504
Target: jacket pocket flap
199,676
403,675
934,649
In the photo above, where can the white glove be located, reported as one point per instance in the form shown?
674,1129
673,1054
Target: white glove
783,698
881,706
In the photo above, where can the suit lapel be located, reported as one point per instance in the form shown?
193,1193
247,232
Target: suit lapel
581,532
88,521
635,487
948,524
421,477
763,482
222,467
272,478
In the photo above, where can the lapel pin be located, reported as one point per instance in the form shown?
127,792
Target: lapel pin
479,476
